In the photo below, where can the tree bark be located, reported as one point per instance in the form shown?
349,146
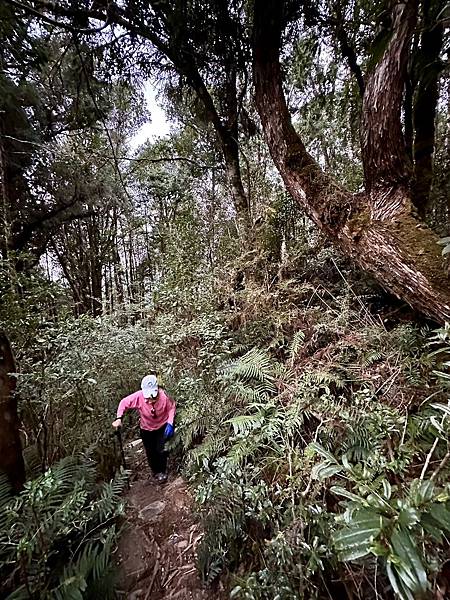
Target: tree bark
384,154
376,229
425,105
11,460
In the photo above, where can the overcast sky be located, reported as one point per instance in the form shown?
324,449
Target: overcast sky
158,127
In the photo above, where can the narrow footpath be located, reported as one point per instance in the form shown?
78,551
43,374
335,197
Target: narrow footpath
157,549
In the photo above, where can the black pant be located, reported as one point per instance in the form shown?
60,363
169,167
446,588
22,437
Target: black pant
154,447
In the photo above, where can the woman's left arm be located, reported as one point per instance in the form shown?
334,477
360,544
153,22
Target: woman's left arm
172,410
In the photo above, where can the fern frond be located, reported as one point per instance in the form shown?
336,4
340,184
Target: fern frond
371,357
246,423
296,344
213,444
256,365
243,391
323,378
242,449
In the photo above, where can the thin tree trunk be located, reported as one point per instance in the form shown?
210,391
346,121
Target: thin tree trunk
384,154
67,271
118,276
425,105
347,51
183,59
4,209
11,460
377,229
227,135
95,266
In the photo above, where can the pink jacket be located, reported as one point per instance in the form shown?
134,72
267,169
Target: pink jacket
153,414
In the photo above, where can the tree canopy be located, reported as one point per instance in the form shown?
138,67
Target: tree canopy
393,60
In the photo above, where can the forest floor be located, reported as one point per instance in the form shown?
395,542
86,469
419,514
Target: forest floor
157,549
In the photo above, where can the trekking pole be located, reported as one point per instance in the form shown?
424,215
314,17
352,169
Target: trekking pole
118,432
122,453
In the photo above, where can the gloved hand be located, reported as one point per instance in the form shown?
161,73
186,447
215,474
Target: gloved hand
169,431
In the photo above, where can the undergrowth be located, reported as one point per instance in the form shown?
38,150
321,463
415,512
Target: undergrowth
57,535
319,457
312,426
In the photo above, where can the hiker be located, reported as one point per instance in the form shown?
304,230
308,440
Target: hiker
157,412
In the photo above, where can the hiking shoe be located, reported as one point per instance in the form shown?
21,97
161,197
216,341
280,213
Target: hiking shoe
161,477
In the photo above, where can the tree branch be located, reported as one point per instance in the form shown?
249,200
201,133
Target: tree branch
50,21
44,222
347,50
182,57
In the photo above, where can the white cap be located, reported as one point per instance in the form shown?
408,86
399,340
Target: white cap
149,386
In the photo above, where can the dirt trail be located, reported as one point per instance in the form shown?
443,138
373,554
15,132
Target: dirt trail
156,553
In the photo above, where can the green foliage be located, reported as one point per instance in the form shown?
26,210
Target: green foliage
71,381
314,433
446,243
262,422
56,537
257,403
28,300
398,525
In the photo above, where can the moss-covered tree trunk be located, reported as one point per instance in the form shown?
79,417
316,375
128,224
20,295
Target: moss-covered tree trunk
11,460
378,228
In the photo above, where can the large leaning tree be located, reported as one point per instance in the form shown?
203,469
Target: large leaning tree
378,228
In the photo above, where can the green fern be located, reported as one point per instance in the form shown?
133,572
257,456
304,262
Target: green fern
296,344
242,449
62,516
213,444
324,379
255,366
360,441
371,357
244,424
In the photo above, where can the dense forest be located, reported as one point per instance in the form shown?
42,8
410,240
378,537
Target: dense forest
279,259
